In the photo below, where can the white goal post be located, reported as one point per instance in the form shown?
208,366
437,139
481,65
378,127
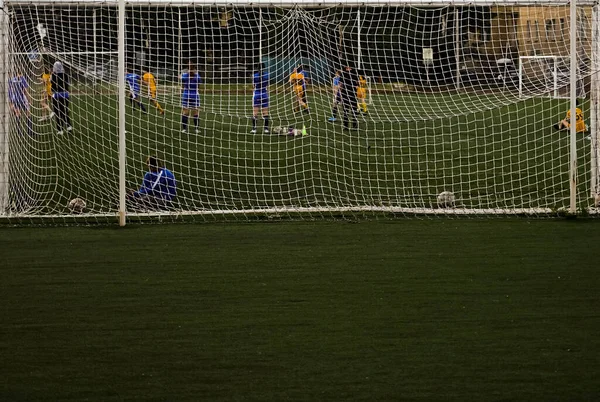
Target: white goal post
463,99
547,76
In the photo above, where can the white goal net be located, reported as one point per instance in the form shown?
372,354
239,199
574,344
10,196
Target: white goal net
440,108
548,76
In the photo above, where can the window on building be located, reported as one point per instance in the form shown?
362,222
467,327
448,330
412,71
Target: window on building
537,31
550,34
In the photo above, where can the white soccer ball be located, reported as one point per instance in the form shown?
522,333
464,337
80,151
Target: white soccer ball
76,205
446,199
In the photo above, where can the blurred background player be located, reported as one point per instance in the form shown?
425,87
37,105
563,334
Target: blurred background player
337,96
349,85
60,97
46,100
133,81
158,189
190,97
297,81
260,97
361,94
565,123
18,97
304,82
150,81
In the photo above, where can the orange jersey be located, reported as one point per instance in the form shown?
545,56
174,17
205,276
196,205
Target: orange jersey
361,93
297,79
149,79
47,83
579,122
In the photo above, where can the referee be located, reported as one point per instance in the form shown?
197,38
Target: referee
60,97
348,85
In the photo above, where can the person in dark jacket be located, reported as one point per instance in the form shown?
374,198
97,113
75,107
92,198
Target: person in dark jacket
60,97
348,86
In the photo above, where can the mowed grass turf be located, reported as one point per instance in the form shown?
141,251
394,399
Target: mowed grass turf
407,150
325,311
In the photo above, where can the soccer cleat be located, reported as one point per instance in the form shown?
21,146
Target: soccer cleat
69,129
60,132
51,115
184,131
197,131
253,131
556,126
266,131
43,118
332,119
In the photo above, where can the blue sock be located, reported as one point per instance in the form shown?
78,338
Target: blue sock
184,121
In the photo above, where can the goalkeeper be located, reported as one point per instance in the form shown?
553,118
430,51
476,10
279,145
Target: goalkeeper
565,123
361,94
150,81
46,100
298,86
158,189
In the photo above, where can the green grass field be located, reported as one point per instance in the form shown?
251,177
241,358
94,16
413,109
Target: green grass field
326,311
491,151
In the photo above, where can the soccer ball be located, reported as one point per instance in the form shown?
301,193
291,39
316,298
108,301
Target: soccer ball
446,199
76,205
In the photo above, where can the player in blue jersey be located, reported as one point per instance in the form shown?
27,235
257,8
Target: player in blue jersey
133,81
158,189
260,97
337,95
18,97
190,97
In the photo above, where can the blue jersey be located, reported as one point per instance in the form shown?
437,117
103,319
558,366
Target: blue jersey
133,82
190,98
336,84
190,82
260,81
260,97
17,90
159,184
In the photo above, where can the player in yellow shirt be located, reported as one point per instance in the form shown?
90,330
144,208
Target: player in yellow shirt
298,85
150,81
361,94
580,125
47,112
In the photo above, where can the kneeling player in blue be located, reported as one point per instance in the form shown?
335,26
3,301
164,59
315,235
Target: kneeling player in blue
133,82
18,97
260,97
158,189
190,97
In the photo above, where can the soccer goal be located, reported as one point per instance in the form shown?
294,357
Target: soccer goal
547,76
211,110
